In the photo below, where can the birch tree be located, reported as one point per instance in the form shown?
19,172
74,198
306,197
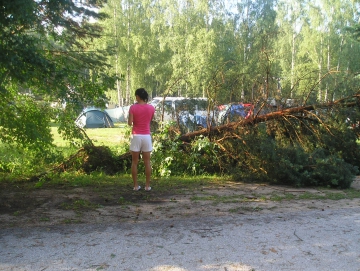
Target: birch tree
257,32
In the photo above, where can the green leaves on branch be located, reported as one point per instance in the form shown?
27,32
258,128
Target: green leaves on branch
173,157
47,56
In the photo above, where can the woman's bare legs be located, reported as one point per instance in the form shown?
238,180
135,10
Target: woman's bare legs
134,165
134,168
146,158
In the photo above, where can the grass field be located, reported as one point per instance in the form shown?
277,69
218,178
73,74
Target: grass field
19,168
20,163
110,137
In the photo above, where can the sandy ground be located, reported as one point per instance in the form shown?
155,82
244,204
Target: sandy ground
235,227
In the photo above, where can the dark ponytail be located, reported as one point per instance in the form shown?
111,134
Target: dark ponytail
141,92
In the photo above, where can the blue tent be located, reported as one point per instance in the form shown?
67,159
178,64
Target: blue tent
94,118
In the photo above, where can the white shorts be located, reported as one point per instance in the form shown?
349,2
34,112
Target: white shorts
141,143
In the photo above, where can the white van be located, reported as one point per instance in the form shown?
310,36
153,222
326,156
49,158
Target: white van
167,105
189,112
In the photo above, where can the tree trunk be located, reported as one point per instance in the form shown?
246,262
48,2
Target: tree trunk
216,130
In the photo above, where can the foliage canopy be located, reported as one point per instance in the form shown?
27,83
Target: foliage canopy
46,56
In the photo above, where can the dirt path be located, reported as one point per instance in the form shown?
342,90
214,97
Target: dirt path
48,207
235,227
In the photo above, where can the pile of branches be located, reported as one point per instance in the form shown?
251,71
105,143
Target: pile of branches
299,146
91,158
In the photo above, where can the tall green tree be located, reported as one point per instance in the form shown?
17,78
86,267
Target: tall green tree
45,56
313,48
290,19
257,32
259,49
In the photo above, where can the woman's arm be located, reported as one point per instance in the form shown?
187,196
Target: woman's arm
130,119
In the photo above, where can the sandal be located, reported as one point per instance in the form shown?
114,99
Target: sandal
137,188
148,189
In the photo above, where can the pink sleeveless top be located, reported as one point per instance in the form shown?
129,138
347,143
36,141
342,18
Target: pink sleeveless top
142,116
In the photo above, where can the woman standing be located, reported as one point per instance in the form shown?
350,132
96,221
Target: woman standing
140,116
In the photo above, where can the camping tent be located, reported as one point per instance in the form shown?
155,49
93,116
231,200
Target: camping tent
118,114
94,118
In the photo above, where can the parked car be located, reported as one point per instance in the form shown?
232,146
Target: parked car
233,112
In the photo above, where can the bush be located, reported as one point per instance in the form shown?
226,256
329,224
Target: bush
173,157
333,172
325,155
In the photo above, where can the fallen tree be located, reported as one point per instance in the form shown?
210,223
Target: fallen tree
353,101
297,146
